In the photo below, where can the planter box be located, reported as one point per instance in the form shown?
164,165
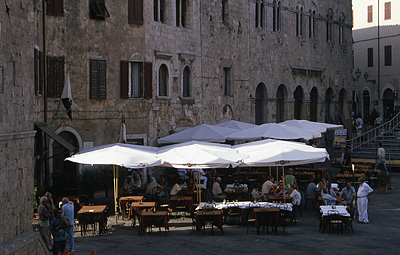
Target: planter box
382,189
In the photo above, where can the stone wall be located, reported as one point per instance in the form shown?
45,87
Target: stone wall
27,243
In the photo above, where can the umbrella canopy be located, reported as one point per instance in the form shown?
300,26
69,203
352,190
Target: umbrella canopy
236,125
273,130
310,125
204,132
274,152
126,155
196,154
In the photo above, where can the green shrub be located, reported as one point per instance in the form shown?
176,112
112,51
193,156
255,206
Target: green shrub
383,177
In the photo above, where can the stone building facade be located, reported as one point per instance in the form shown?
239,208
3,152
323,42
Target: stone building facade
167,65
17,28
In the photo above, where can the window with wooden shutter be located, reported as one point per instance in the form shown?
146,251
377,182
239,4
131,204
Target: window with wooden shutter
388,10
97,79
148,80
370,14
55,7
163,81
370,57
124,78
388,55
98,10
55,76
135,12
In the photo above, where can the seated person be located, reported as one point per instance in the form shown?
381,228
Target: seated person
280,189
295,195
330,199
268,186
129,186
322,184
153,188
176,188
137,177
312,188
330,190
163,195
191,186
256,195
348,193
216,190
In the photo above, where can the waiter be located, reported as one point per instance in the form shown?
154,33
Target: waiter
362,200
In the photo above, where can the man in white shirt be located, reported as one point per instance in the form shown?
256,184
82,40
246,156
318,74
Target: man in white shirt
175,189
381,156
153,188
216,190
295,195
266,187
362,200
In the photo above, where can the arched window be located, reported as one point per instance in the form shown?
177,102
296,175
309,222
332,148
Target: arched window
163,81
341,24
329,21
261,104
298,103
280,103
276,16
187,90
314,104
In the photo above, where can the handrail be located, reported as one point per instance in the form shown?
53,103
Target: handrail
373,134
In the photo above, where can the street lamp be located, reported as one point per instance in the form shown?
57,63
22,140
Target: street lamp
366,75
358,75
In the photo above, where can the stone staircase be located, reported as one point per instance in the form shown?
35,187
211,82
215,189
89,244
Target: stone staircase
364,147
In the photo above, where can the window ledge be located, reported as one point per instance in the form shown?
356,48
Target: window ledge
163,97
187,100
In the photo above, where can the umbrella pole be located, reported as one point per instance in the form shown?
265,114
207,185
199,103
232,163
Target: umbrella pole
115,195
269,171
198,187
284,185
277,176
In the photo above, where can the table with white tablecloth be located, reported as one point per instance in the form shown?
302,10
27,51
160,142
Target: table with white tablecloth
244,205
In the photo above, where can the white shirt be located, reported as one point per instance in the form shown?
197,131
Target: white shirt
364,190
216,189
175,189
151,186
266,187
381,152
296,197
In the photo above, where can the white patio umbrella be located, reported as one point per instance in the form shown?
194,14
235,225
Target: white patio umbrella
311,125
204,132
197,154
126,155
271,152
236,125
273,130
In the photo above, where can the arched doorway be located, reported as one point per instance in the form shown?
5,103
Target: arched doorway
298,103
261,110
340,114
388,104
280,103
314,104
64,172
328,105
366,103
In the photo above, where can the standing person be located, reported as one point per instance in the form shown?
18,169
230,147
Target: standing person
362,200
57,229
44,216
360,123
51,204
346,157
381,156
68,213
289,179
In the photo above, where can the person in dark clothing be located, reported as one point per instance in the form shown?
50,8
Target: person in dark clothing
58,229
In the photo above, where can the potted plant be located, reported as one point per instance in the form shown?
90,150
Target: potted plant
383,180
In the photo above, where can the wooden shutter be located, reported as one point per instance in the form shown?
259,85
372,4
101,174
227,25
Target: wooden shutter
388,11
51,77
60,77
124,65
51,7
135,12
131,11
59,8
36,70
148,80
139,12
102,79
94,79
41,72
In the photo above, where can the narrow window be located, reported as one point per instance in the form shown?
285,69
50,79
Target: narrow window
55,76
38,69
55,8
181,10
278,17
388,10
162,11
163,80
98,10
224,12
186,82
370,14
311,25
227,81
178,12
135,12
155,9
329,26
274,15
97,79
297,21
388,55
370,57
257,12
262,13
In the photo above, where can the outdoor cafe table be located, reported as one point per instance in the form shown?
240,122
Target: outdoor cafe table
244,205
137,208
92,214
180,203
280,198
266,216
213,216
158,219
126,200
333,210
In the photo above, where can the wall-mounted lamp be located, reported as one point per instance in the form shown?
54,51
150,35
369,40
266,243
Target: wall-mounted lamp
366,75
358,75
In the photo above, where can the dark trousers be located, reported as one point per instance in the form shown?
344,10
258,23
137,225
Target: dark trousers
59,246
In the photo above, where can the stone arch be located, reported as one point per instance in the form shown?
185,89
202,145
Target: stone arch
281,96
187,82
328,105
314,104
261,107
298,102
388,103
227,113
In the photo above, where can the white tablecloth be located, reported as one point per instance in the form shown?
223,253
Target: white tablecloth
244,205
340,208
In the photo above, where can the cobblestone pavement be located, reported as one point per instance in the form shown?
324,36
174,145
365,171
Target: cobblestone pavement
378,237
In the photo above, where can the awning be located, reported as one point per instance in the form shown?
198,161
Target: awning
56,137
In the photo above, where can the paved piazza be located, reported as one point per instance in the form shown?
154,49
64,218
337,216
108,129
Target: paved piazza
378,237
